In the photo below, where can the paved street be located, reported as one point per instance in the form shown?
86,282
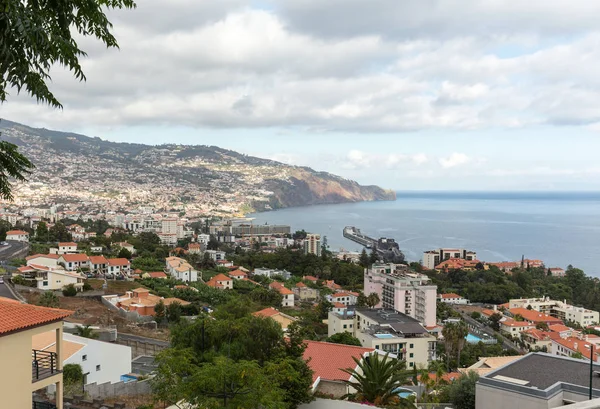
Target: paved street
14,249
5,292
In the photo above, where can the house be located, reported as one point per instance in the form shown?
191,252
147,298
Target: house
562,330
506,266
514,328
224,263
221,281
346,298
534,317
459,264
539,380
156,274
332,285
26,369
312,279
119,266
73,262
215,255
287,294
572,345
48,260
56,279
556,272
327,360
126,246
304,292
537,340
339,308
90,354
96,249
140,301
180,269
17,235
194,248
270,273
283,319
489,364
238,274
98,265
452,298
67,248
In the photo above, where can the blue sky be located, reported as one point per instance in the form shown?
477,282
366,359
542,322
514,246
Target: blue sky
428,95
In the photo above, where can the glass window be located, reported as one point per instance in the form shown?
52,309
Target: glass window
412,355
412,346
97,367
84,358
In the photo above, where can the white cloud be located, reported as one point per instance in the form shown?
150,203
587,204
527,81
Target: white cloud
455,159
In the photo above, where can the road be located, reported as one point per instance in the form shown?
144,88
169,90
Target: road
14,249
5,292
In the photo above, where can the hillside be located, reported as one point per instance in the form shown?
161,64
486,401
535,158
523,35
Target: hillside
73,168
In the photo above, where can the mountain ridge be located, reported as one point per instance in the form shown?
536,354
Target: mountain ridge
127,171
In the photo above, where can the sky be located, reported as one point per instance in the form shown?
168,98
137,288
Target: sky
408,95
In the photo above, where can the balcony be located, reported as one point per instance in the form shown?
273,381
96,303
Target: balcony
43,405
43,365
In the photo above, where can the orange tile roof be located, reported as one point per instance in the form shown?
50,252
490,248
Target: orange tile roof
141,290
67,244
300,285
449,295
221,277
559,328
118,262
46,341
327,360
534,316
578,345
15,232
157,274
238,273
267,312
512,323
339,305
15,316
538,334
98,260
310,278
74,258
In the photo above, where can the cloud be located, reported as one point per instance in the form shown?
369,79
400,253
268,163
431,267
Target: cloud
455,159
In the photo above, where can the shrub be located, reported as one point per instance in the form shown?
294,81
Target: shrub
69,291
48,299
87,287
72,373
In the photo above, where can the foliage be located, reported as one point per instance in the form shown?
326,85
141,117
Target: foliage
323,308
13,165
41,232
72,373
173,312
124,253
266,297
461,392
372,300
495,321
86,332
69,290
159,312
59,233
376,379
344,338
48,299
542,326
37,36
364,259
145,263
476,315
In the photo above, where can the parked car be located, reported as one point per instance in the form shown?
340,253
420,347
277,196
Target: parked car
4,243
1,280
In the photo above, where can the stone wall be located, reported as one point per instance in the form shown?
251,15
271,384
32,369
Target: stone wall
107,390
140,347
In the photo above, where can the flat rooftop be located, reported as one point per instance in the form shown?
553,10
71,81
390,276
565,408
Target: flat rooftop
540,371
399,322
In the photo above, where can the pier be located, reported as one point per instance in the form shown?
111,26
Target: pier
386,248
354,234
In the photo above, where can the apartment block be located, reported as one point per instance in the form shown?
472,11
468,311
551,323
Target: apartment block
312,244
409,293
558,309
432,258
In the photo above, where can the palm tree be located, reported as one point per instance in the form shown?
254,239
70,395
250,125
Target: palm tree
377,378
448,333
461,331
86,332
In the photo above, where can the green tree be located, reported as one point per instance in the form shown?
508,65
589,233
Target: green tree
495,321
72,373
361,300
374,256
376,379
577,355
37,36
323,308
48,299
461,392
372,300
13,165
124,253
345,338
173,312
59,233
41,232
175,367
86,332
69,290
363,260
159,312
542,326
461,331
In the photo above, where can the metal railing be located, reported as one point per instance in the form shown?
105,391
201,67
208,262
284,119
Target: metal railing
43,364
43,405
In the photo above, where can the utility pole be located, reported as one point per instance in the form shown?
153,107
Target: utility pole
591,368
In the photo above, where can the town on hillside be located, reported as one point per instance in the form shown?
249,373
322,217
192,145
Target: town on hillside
164,297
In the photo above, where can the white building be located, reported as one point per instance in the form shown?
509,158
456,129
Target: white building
343,297
203,239
452,298
270,273
67,248
46,260
312,244
180,269
119,266
432,258
52,278
287,294
409,293
559,309
100,361
73,262
216,255
17,235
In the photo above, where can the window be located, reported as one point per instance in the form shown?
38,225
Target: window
411,355
97,367
45,283
411,364
412,346
345,326
84,358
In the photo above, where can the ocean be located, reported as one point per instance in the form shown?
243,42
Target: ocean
560,228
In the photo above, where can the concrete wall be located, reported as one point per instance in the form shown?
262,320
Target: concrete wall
333,404
141,348
487,397
336,389
106,390
128,315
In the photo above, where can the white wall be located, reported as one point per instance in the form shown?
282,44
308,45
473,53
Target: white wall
114,359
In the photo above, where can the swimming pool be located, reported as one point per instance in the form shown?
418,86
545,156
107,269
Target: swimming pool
472,339
384,336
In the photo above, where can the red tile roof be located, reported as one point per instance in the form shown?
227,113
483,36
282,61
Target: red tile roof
15,232
98,260
327,360
310,278
577,345
300,285
53,256
118,262
15,316
449,295
559,328
267,312
238,273
67,244
534,316
74,258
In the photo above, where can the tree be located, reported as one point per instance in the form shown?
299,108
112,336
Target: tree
59,233
461,392
495,321
448,333
363,260
173,312
13,165
323,308
124,253
461,331
69,290
361,300
86,332
48,299
372,300
376,379
159,312
345,338
374,256
37,36
41,232
72,373
577,355
542,326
